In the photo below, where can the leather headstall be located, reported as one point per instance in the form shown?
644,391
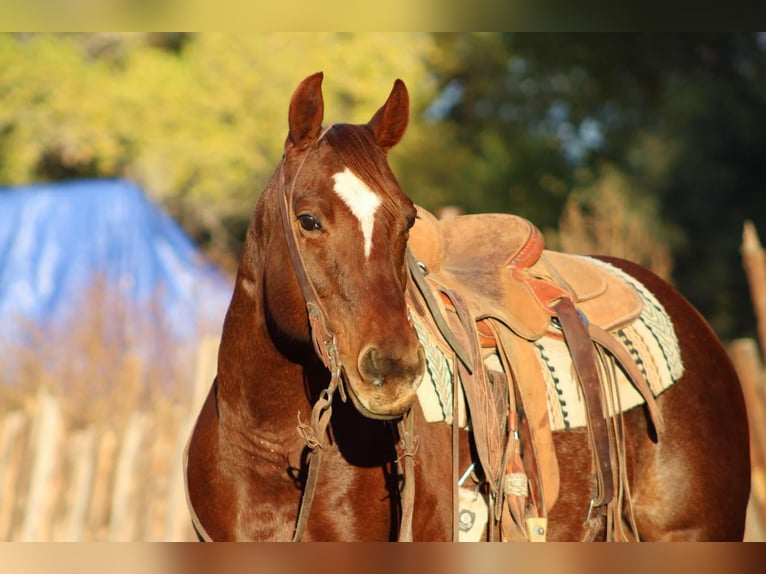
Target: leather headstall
325,345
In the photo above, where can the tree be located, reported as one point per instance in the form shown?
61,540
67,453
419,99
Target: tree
680,116
198,120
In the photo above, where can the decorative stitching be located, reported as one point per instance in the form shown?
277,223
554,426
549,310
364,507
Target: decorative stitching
556,384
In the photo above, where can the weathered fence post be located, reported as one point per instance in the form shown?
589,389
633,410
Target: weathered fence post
744,355
46,446
206,369
178,526
11,456
98,514
754,261
127,505
178,520
81,454
750,367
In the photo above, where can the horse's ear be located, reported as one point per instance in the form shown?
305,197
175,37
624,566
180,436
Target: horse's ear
306,113
390,122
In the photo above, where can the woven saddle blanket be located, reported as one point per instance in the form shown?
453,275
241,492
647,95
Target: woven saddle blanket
650,340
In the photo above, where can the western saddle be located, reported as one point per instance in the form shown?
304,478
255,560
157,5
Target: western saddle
485,282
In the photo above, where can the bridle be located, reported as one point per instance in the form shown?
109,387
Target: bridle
323,339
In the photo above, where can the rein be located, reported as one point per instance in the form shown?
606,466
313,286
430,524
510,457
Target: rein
326,348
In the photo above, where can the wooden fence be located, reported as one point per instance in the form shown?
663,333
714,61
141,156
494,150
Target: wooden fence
59,482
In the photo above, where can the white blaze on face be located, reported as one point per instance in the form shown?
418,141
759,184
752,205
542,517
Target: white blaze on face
361,200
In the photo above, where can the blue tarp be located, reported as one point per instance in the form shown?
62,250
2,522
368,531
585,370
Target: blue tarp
56,238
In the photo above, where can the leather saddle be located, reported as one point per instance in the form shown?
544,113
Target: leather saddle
499,264
486,281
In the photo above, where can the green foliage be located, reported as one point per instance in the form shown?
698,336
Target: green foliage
199,121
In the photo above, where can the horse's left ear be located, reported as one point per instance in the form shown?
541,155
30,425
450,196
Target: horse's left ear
306,113
390,122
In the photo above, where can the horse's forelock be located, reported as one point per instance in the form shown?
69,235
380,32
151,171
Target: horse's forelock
358,151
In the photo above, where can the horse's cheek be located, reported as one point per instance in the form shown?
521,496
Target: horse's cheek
285,306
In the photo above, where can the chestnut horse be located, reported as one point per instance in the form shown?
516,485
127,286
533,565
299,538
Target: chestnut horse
319,314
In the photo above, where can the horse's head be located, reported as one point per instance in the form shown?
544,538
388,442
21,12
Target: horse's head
350,221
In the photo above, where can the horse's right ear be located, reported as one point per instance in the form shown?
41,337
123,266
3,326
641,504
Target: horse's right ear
390,122
306,113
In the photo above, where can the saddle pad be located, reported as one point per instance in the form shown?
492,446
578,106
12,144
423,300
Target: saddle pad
435,391
650,339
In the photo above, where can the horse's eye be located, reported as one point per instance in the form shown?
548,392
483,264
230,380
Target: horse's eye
309,223
411,222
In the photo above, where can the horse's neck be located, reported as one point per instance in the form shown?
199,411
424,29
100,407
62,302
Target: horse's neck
257,384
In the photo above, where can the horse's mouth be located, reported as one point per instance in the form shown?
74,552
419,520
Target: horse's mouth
380,408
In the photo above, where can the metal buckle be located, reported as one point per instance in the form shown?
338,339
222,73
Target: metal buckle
589,516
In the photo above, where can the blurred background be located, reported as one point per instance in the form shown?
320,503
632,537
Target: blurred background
130,164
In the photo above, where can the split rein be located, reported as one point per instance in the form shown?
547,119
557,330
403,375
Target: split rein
325,346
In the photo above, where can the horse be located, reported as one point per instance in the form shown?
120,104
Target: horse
320,359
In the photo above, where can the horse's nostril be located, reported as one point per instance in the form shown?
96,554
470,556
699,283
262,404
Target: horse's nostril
378,368
370,367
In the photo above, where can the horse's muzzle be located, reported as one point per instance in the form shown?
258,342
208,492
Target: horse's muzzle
388,383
